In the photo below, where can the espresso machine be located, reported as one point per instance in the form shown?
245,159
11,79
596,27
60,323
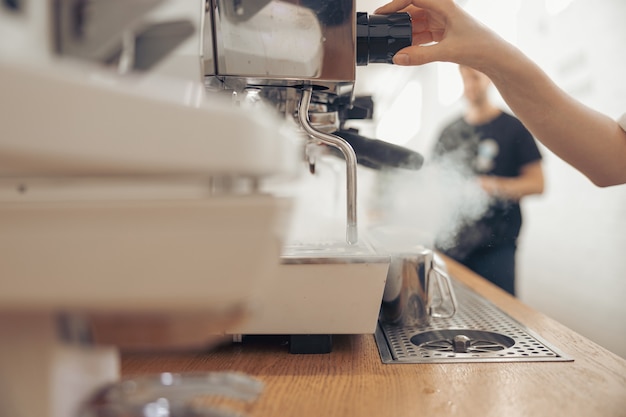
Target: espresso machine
300,57
132,199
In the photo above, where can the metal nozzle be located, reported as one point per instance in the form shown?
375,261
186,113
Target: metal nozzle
348,152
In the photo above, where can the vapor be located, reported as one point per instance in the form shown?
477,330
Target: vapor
425,207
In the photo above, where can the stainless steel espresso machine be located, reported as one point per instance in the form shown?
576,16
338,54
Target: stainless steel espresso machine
300,57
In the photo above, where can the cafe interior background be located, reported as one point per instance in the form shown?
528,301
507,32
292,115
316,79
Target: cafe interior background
571,263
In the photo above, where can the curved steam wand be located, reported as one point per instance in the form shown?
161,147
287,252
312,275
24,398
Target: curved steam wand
348,153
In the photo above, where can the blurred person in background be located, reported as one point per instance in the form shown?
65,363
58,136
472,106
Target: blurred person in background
590,141
501,153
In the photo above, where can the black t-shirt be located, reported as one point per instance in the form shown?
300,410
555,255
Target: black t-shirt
500,148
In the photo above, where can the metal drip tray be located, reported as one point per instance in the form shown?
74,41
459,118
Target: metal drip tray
478,332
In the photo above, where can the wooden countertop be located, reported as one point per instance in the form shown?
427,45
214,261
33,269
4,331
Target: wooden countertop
352,380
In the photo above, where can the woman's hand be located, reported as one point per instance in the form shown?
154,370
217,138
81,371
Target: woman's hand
443,31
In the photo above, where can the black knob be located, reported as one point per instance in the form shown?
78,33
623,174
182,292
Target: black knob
379,37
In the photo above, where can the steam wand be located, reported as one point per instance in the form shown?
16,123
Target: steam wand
348,153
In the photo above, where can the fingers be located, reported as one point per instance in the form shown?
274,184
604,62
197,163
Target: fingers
419,26
438,6
393,6
429,19
423,38
416,55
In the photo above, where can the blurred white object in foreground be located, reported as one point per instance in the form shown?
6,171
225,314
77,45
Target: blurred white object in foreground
120,195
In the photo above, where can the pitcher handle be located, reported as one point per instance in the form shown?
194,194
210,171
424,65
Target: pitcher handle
443,276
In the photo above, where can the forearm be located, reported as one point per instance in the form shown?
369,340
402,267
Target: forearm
588,140
529,182
514,188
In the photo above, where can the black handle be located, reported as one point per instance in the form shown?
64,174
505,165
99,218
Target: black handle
378,154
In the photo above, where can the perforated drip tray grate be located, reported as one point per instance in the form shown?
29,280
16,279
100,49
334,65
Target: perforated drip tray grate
478,332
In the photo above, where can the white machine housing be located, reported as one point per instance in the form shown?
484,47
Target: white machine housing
121,195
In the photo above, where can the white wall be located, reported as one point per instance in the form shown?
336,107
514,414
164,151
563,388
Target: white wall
571,262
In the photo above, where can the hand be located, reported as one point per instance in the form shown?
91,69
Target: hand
489,184
458,37
530,181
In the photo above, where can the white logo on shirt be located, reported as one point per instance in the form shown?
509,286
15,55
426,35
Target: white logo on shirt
487,151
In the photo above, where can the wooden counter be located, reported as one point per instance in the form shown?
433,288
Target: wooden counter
352,380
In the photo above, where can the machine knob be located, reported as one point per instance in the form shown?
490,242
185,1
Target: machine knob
379,37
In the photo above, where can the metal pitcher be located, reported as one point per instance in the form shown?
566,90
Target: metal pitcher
417,289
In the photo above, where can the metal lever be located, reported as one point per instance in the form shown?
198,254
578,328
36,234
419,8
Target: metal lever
348,153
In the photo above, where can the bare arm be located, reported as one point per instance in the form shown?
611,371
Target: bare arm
590,141
529,182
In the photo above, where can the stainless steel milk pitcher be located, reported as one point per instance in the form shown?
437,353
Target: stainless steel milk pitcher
417,289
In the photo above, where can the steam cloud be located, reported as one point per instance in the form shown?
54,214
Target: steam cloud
432,204
319,204
405,208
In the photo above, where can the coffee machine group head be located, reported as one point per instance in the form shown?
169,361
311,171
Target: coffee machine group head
300,56
293,43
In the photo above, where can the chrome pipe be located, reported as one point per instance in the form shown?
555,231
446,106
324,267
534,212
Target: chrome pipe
346,150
